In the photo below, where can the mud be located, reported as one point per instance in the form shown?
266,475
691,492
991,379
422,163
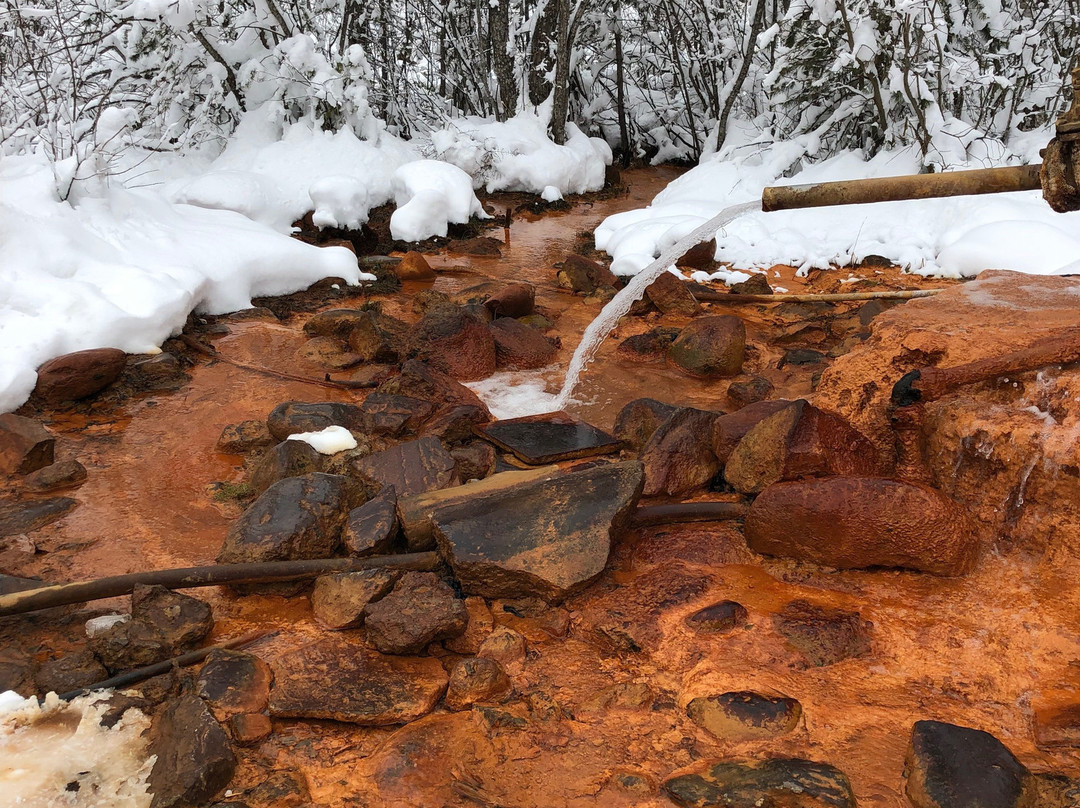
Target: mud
600,711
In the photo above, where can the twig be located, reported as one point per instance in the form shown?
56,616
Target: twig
725,297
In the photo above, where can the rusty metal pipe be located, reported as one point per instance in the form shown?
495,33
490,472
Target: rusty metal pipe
890,189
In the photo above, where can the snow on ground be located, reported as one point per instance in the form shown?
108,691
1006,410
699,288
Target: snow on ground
430,194
327,441
954,237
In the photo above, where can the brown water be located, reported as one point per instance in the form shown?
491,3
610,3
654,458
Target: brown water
979,651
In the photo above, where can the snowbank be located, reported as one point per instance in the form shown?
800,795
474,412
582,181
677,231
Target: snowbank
518,155
955,237
430,194
123,270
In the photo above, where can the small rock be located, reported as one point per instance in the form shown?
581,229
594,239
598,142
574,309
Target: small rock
286,788
336,323
753,390
71,672
505,646
379,338
454,342
78,375
718,618
679,456
244,437
26,517
475,460
233,683
756,284
949,766
477,295
729,429
294,417
194,760
339,600
420,380
338,678
579,274
387,414
25,445
425,300
710,346
822,634
479,627
519,347
248,729
638,420
700,256
290,458
65,474
773,782
476,680
160,372
329,353
515,300
371,528
479,246
801,356
421,609
412,468
538,321
669,294
745,715
414,267
652,346
455,424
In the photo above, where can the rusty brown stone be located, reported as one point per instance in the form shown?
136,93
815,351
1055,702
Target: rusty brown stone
292,417
248,729
798,441
475,460
420,380
515,300
679,457
478,629
421,609
412,468
729,429
859,522
823,635
329,353
751,391
519,347
579,274
745,715
710,347
639,420
234,682
290,458
371,528
64,474
338,601
669,294
25,445
475,680
700,256
453,341
78,375
194,759
652,346
378,337
1057,723
244,437
414,267
388,414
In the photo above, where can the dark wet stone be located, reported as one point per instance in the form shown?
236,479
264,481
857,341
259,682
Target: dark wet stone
579,274
455,342
420,380
548,538
949,766
549,438
779,782
476,680
78,375
745,715
25,445
339,600
378,337
163,624
337,323
13,583
194,759
700,256
371,528
872,308
160,372
638,420
337,677
28,516
387,414
481,246
669,294
412,468
475,460
519,347
290,458
717,618
679,457
637,783
329,353
822,634
248,729
420,610
651,346
802,356
294,417
756,284
71,672
234,682
515,300
710,346
729,429
64,474
244,437
751,391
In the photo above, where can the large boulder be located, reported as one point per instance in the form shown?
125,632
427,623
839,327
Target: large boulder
420,380
521,347
679,457
412,468
25,445
547,538
859,522
453,341
779,782
78,375
421,609
710,347
194,759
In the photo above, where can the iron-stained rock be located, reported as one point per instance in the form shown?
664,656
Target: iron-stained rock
652,346
378,337
519,347
579,274
638,420
371,528
475,460
293,417
744,715
515,300
679,457
453,341
779,782
420,380
420,610
474,680
729,429
290,458
339,600
163,624
64,474
669,294
388,414
710,346
751,391
717,618
234,682
194,759
25,445
70,672
412,468
78,375
822,634
244,437
414,267
29,515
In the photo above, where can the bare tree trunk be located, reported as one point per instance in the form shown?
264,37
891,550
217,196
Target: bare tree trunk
499,37
539,56
757,23
620,92
561,97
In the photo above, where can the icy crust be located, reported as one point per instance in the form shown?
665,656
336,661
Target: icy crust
45,747
124,269
954,237
429,195
518,155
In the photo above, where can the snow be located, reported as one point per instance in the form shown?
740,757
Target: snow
327,441
101,624
430,194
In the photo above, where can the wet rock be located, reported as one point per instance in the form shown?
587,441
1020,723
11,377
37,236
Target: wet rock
329,353
801,356
756,284
753,390
648,347
729,429
538,321
283,788
669,294
505,646
479,246
427,299
949,766
519,347
1057,726
181,621
379,337
340,679
679,456
480,625
1056,791
160,372
476,680
387,414
744,715
476,296
297,518
194,759
336,323
414,267
248,729
26,517
475,460
718,618
339,600
859,522
294,417
515,300
799,441
454,342
579,274
638,420
412,468
78,375
371,528
710,347
420,610
25,445
234,683
549,437
419,380
65,474
700,256
244,437
787,782
636,783
547,538
71,672
290,458
822,634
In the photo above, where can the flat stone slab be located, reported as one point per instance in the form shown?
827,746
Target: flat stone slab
25,517
340,679
776,781
548,438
